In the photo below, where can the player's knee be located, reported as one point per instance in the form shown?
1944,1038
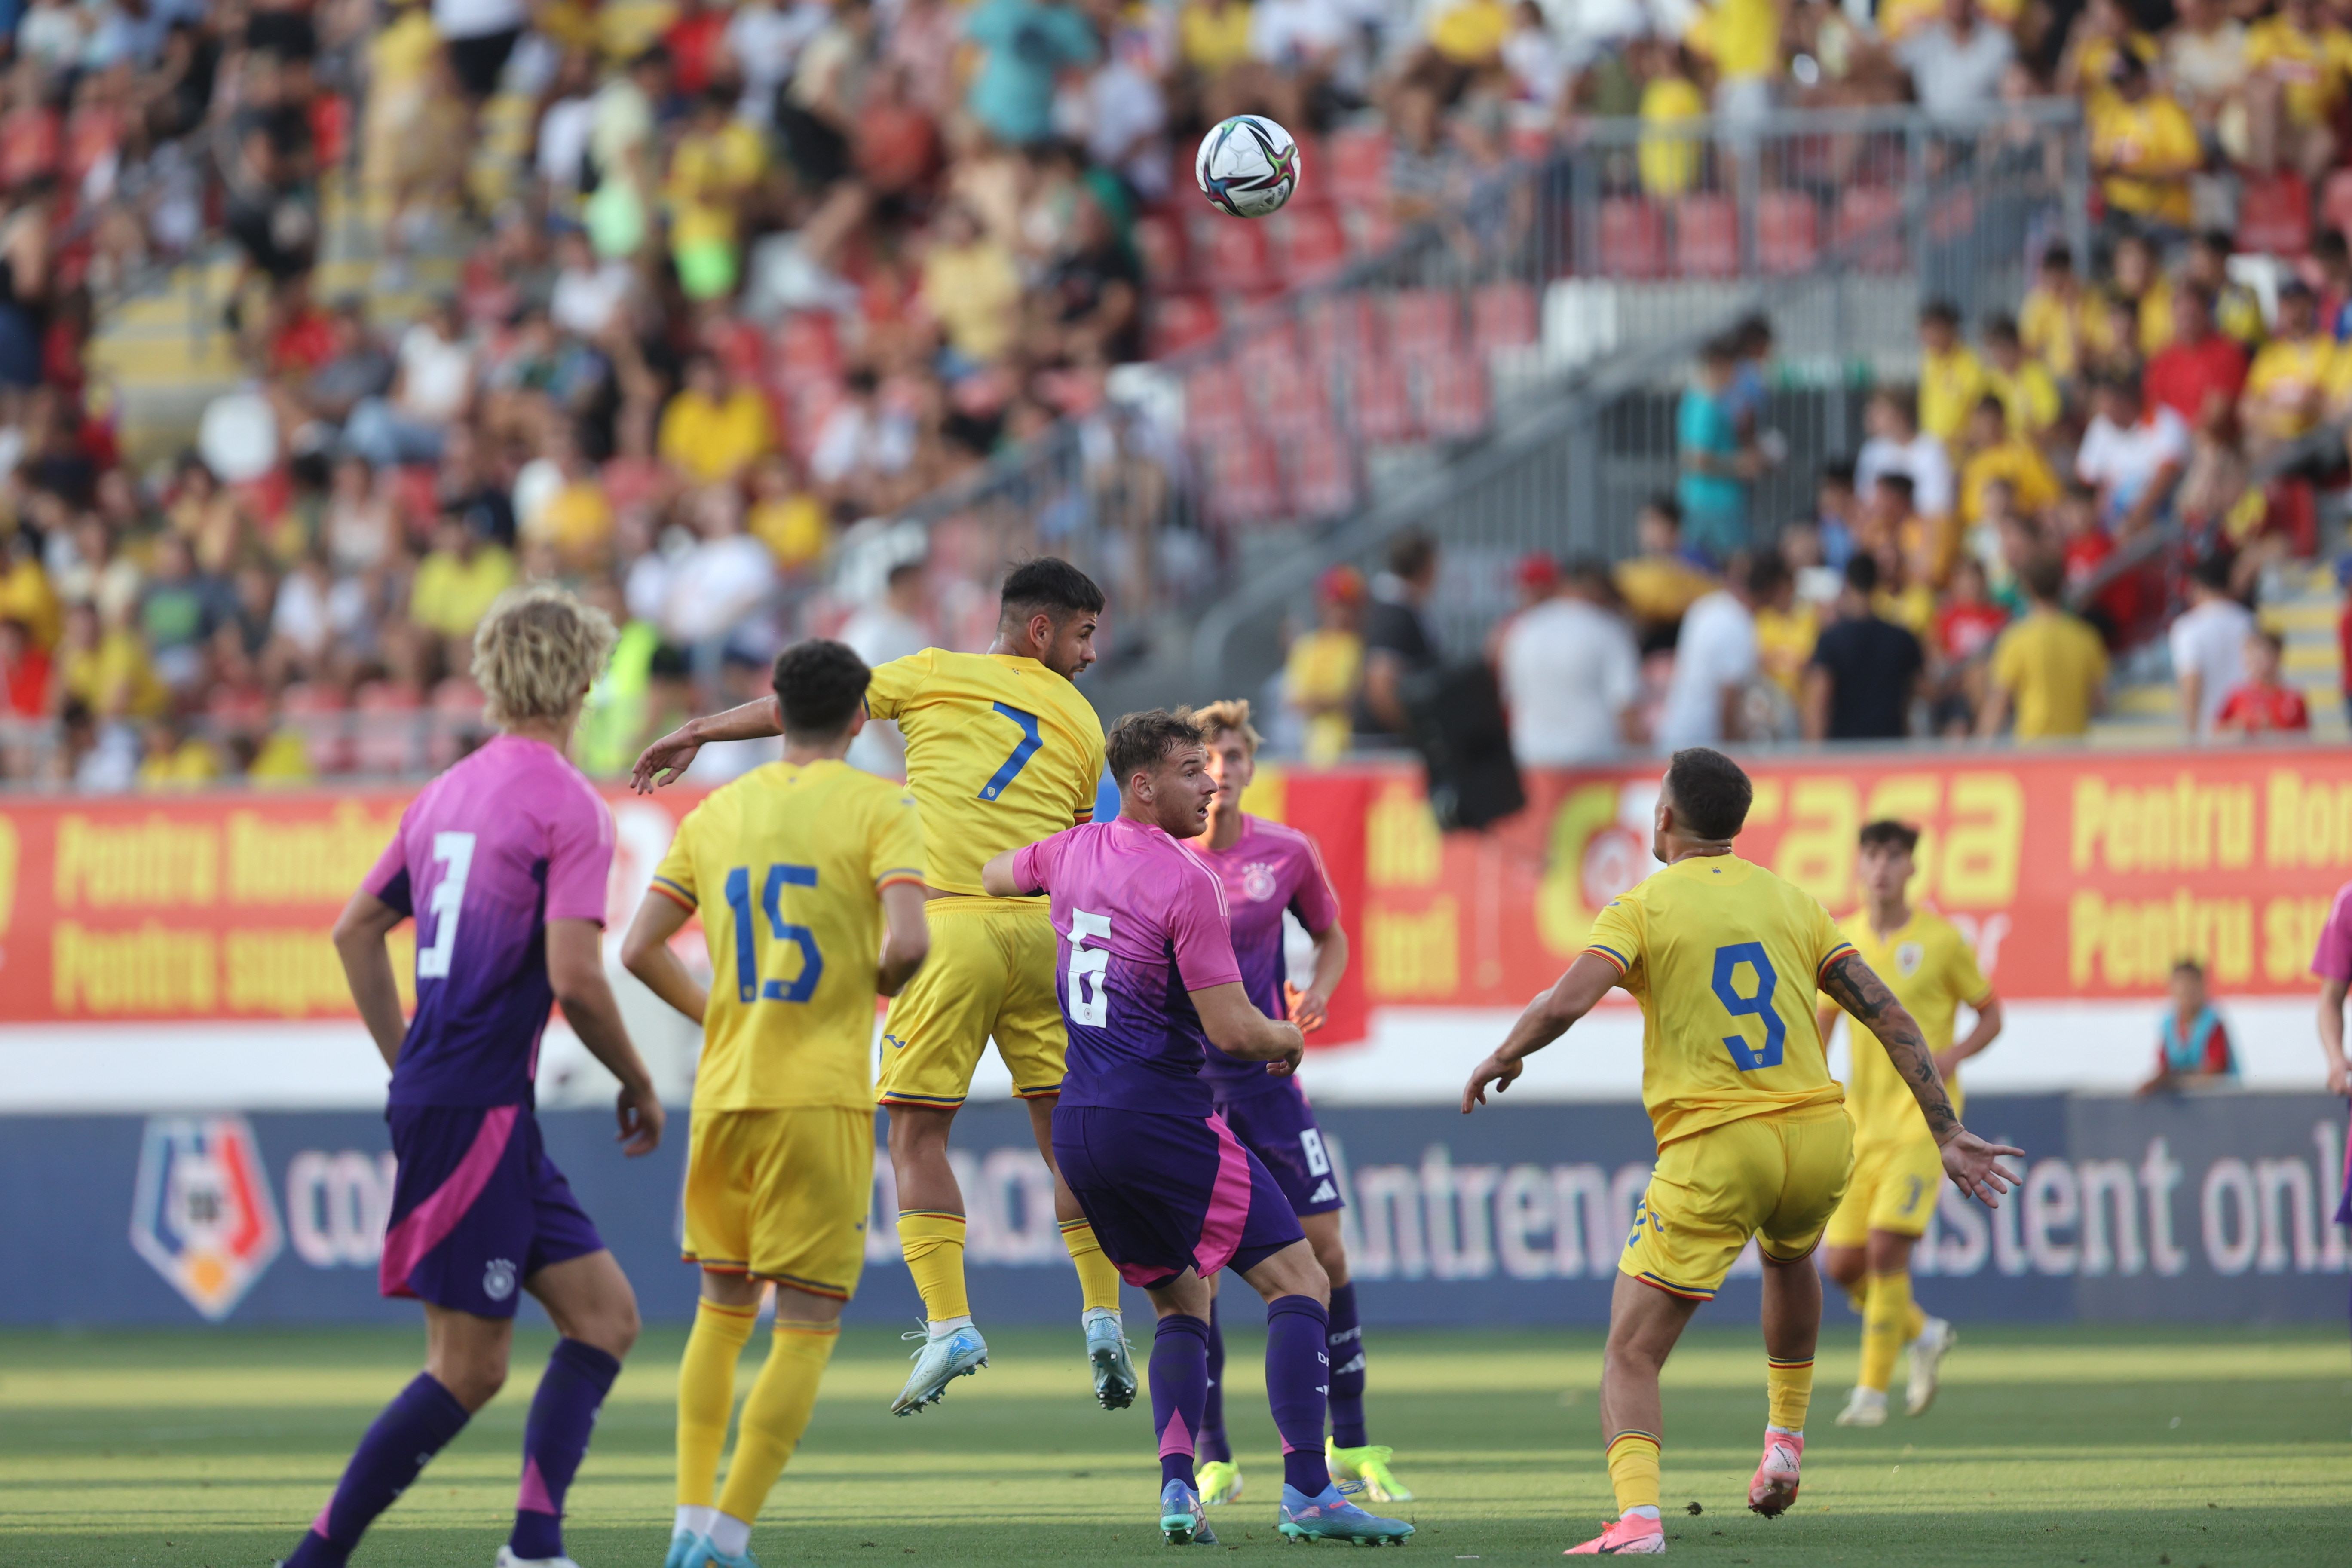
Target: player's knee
473,1381
1332,1259
1843,1266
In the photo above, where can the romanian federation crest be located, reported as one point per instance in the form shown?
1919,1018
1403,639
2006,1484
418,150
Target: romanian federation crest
202,1211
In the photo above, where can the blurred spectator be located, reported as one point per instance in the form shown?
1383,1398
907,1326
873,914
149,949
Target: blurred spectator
1571,675
2286,387
1997,452
1716,466
1323,670
1866,671
456,581
1023,45
2144,148
715,428
2262,705
2133,454
1952,378
2192,1046
2028,392
2200,373
886,628
1397,640
2208,646
2051,319
1716,660
2296,64
1897,445
1661,584
431,385
1957,61
2048,669
1967,626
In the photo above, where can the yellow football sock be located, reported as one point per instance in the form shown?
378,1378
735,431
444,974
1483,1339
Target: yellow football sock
1633,1470
776,1415
933,1243
706,1396
1788,1392
1097,1276
1884,1320
1915,1322
1858,1296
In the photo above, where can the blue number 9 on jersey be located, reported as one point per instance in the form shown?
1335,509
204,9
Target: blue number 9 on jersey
1727,961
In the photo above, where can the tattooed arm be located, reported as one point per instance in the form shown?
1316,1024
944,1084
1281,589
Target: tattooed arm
1968,1160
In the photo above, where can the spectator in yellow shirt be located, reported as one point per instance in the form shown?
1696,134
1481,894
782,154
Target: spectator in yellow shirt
2296,63
1741,39
455,583
1951,377
1214,35
1671,145
2048,669
1664,580
2236,312
1471,33
2028,392
175,760
1325,668
103,664
717,165
1999,454
2144,148
789,521
2104,35
971,285
2286,387
2049,322
713,430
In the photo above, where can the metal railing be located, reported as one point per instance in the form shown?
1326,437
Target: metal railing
1295,431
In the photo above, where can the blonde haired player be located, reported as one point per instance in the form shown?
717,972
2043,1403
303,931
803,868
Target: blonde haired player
1001,752
808,877
1931,969
1723,957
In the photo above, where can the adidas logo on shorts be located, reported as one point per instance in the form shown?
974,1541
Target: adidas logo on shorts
1323,1194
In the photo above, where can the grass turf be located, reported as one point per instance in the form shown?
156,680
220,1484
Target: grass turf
2200,1448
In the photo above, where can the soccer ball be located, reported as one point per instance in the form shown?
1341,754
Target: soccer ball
1247,165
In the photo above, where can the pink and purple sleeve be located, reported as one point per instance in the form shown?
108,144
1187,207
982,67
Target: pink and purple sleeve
2334,959
387,879
1315,902
1032,864
580,859
1200,933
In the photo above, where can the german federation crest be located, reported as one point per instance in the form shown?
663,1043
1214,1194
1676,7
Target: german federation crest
202,1214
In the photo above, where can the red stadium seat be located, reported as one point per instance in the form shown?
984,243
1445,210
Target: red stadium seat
808,347
1788,232
457,718
1359,161
1167,255
1239,258
1503,316
1423,323
1342,328
1706,237
1870,225
1454,396
387,741
1291,390
317,713
1217,398
1632,238
1179,321
1313,187
1244,479
1374,229
1313,243
2336,201
2275,215
1382,400
1322,473
1529,143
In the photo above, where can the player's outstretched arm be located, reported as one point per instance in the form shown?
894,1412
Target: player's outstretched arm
575,968
1972,1163
1987,1029
359,932
997,881
667,759
646,954
2331,1036
905,936
1311,1007
1236,1028
1547,1017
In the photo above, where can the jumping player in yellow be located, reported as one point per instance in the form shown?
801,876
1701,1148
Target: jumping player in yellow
808,877
1931,970
1001,752
1723,956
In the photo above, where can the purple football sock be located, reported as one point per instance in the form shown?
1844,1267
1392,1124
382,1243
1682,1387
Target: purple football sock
413,1428
1180,1383
1346,1370
1297,1374
554,1441
1212,1444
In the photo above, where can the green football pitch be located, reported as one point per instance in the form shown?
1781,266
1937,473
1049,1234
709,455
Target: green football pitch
2198,1448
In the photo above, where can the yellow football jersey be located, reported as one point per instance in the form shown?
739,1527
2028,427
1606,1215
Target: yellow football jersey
1001,752
1931,969
1724,957
786,866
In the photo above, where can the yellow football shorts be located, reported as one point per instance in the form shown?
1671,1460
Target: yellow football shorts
781,1195
1894,1188
1776,1178
990,976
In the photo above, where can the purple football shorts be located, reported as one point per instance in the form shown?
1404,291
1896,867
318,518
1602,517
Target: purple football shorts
1170,1193
1278,1127
476,1208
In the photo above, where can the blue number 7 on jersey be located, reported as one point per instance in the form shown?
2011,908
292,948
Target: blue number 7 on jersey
1727,961
1030,741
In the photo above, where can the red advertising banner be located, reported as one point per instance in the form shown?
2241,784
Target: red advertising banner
2077,874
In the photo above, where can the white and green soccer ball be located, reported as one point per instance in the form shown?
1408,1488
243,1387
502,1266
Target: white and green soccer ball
1247,166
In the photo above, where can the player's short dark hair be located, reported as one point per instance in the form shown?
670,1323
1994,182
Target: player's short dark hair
1939,313
819,684
1666,507
1051,584
2210,572
2000,327
1890,833
1139,742
2188,966
1711,794
1412,556
2059,256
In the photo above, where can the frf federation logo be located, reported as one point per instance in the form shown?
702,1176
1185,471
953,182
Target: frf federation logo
202,1214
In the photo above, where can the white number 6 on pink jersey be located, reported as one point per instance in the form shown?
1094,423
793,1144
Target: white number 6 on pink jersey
1089,992
455,850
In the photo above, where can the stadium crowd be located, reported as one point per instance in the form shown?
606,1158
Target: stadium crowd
750,274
